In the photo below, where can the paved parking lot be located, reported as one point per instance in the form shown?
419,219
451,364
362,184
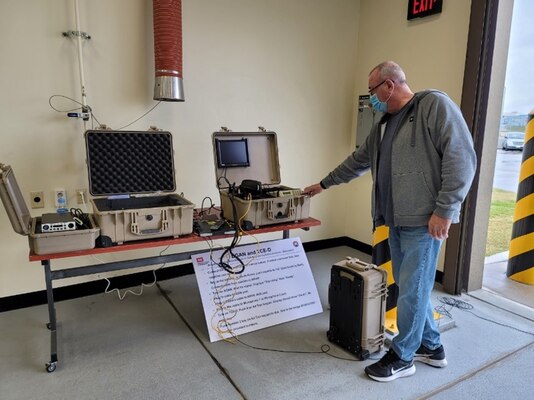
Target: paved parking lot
507,169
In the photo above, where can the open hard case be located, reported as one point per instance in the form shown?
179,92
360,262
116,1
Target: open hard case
266,204
133,171
24,224
357,297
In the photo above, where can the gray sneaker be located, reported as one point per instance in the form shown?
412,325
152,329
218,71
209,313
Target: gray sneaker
435,358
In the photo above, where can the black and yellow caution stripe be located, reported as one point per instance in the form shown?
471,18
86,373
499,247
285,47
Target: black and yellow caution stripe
521,255
382,258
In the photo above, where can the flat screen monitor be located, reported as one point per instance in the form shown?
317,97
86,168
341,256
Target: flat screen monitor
232,153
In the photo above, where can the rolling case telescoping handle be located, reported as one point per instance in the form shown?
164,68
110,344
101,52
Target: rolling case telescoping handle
135,229
380,290
359,265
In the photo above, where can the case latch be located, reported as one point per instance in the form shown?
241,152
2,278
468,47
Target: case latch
276,209
135,225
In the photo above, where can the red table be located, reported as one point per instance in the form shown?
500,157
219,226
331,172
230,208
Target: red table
51,275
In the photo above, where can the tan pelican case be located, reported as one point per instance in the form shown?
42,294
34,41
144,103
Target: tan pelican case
254,159
133,171
357,297
22,222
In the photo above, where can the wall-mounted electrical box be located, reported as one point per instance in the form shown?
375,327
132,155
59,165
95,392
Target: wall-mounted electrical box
367,117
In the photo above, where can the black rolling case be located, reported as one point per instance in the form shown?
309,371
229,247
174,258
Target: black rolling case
357,297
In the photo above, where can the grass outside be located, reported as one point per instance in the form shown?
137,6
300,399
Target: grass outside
501,221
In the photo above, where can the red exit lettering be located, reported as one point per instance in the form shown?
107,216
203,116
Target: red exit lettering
420,6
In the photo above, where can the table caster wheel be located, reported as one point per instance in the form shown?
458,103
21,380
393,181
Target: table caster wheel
51,366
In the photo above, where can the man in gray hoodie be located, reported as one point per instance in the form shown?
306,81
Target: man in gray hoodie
422,162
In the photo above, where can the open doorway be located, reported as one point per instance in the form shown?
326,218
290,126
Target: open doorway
517,101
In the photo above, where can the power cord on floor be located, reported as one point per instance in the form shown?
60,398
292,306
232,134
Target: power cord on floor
448,303
324,349
120,295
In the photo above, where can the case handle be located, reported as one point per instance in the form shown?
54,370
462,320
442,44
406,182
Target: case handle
135,229
272,214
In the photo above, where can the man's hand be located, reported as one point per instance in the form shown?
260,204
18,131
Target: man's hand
438,227
313,190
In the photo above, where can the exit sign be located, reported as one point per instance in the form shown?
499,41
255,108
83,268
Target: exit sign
423,8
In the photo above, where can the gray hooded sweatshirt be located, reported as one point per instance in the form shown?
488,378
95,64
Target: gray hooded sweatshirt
432,161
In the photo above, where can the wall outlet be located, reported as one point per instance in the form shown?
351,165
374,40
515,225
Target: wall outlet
60,196
37,199
81,196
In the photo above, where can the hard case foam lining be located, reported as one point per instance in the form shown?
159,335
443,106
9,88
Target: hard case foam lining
130,162
122,163
139,202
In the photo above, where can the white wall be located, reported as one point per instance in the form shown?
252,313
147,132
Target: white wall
287,65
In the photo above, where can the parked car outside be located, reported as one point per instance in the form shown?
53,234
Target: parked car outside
513,141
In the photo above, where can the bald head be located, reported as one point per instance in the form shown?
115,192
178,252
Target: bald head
390,70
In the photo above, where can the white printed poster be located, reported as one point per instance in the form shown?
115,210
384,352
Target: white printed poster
276,286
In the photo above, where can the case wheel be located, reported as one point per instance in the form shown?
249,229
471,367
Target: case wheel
48,326
103,241
364,355
51,366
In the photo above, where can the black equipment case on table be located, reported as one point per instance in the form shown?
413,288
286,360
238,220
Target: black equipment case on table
135,171
357,297
248,179
82,238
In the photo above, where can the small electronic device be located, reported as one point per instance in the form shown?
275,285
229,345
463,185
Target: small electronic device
203,228
285,192
232,153
213,227
250,186
216,225
57,222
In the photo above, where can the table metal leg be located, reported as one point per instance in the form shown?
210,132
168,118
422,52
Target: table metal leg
52,324
50,276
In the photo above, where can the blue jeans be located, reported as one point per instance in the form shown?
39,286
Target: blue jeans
414,257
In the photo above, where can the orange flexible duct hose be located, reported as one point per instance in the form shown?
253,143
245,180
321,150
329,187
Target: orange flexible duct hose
167,16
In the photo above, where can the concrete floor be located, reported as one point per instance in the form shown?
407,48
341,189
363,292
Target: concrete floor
496,281
156,347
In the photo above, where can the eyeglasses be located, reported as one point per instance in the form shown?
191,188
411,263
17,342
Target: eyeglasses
375,87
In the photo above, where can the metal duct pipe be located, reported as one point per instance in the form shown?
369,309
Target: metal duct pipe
168,50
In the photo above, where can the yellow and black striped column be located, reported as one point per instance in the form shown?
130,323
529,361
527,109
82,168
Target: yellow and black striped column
382,258
521,256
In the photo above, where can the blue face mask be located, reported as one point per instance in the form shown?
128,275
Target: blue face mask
380,106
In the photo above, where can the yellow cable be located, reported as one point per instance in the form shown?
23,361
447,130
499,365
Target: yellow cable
222,306
249,198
